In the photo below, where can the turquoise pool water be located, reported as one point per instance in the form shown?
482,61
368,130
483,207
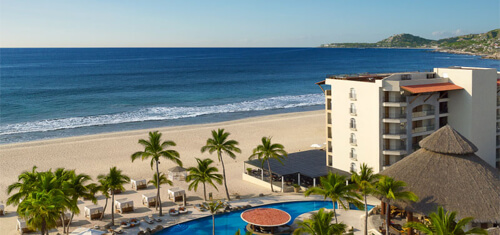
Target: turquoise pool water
229,223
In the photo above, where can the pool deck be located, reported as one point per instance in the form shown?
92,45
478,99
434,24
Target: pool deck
349,217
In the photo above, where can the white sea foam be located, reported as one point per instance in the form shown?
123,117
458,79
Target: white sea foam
162,113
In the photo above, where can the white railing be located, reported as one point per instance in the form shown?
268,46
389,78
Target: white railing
352,96
353,156
352,111
422,129
353,141
422,113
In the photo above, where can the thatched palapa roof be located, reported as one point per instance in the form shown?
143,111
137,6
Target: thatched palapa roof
446,172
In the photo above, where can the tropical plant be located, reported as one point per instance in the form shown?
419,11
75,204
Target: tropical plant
114,180
203,173
213,207
163,180
445,224
267,151
334,186
41,209
103,187
25,185
392,190
156,149
74,187
320,224
364,182
219,143
246,233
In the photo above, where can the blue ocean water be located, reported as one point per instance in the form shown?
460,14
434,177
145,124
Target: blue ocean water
50,93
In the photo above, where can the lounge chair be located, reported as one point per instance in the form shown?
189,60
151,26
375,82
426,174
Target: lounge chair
125,224
134,222
118,231
147,220
200,208
182,210
155,218
173,212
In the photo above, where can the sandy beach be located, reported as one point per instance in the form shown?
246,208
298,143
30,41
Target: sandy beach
95,154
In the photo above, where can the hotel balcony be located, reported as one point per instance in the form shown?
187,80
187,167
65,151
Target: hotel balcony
395,151
352,111
353,156
353,142
394,102
352,127
394,118
423,115
352,96
395,134
423,130
328,93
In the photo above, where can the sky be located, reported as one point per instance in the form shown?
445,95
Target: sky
234,23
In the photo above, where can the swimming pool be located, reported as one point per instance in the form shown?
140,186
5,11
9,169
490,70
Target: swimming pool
229,223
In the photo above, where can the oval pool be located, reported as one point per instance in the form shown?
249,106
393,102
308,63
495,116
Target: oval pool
229,223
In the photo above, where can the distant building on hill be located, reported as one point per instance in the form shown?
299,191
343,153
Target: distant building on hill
379,119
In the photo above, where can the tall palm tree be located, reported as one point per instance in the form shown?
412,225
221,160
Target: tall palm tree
157,149
213,207
41,209
163,180
219,143
392,190
203,173
365,181
334,186
103,187
267,151
320,224
76,186
114,180
445,224
26,183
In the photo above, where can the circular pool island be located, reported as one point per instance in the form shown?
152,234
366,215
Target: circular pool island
266,220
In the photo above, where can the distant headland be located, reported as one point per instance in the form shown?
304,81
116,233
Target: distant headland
486,44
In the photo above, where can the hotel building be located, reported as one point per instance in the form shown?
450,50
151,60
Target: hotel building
379,119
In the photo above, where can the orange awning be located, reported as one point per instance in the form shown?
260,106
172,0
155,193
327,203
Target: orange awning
427,88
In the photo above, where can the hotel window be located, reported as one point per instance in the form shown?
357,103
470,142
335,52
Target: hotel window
352,109
352,94
352,125
353,154
353,140
353,167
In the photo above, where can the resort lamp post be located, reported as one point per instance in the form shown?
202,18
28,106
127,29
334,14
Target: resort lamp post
298,179
282,183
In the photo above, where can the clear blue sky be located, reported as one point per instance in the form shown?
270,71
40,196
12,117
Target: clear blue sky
234,23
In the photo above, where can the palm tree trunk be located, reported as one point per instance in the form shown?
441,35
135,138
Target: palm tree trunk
270,175
387,220
366,216
158,200
42,229
105,205
62,221
334,211
69,222
204,192
213,224
112,207
224,175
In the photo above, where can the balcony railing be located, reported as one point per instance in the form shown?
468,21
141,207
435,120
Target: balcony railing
422,129
395,115
398,148
353,141
422,113
352,96
352,126
352,111
395,99
395,132
353,156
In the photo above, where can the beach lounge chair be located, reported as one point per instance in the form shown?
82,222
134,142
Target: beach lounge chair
182,210
124,224
118,231
124,205
93,212
173,212
139,184
155,218
134,222
147,220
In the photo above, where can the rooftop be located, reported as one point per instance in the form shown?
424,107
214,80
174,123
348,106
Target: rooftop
426,88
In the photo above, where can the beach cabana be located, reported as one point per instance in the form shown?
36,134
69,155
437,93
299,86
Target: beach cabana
446,172
2,209
124,205
266,220
177,173
93,212
176,194
149,199
22,227
139,184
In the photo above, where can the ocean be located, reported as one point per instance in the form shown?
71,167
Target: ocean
60,92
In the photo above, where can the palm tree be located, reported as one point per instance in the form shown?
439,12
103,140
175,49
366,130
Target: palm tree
334,186
267,151
41,209
163,180
203,173
156,149
213,207
320,224
445,224
392,190
114,180
26,183
220,144
103,187
365,181
76,186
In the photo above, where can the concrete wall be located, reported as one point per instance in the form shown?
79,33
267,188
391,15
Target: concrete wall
368,123
472,111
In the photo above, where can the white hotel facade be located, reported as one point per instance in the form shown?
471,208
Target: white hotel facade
378,119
